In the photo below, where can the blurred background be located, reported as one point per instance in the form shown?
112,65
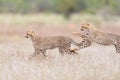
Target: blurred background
53,18
57,17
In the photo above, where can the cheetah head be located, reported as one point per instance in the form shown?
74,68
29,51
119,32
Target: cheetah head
88,29
30,34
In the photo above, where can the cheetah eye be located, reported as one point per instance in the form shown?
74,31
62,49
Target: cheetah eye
27,33
82,29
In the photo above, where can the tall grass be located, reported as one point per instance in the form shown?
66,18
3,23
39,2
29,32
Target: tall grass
93,63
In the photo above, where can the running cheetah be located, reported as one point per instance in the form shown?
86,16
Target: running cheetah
94,35
41,44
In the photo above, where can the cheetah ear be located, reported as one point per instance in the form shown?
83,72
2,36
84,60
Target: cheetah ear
88,24
85,23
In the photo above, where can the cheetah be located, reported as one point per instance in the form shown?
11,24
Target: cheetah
41,44
92,34
85,41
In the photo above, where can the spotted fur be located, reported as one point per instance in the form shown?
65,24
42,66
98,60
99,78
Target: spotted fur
94,35
41,44
85,42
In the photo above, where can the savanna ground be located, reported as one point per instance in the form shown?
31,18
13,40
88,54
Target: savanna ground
93,63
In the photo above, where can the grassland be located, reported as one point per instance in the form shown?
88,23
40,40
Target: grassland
93,63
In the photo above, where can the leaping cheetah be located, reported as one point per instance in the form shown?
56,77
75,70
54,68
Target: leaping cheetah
94,35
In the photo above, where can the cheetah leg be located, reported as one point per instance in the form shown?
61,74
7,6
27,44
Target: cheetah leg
61,50
85,43
117,46
67,51
73,51
81,46
37,52
64,50
34,54
44,53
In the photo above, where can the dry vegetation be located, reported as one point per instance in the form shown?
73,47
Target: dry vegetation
93,63
54,19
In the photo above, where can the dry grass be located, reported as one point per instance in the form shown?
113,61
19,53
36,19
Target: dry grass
93,63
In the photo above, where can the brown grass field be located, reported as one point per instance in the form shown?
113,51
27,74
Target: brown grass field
96,62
